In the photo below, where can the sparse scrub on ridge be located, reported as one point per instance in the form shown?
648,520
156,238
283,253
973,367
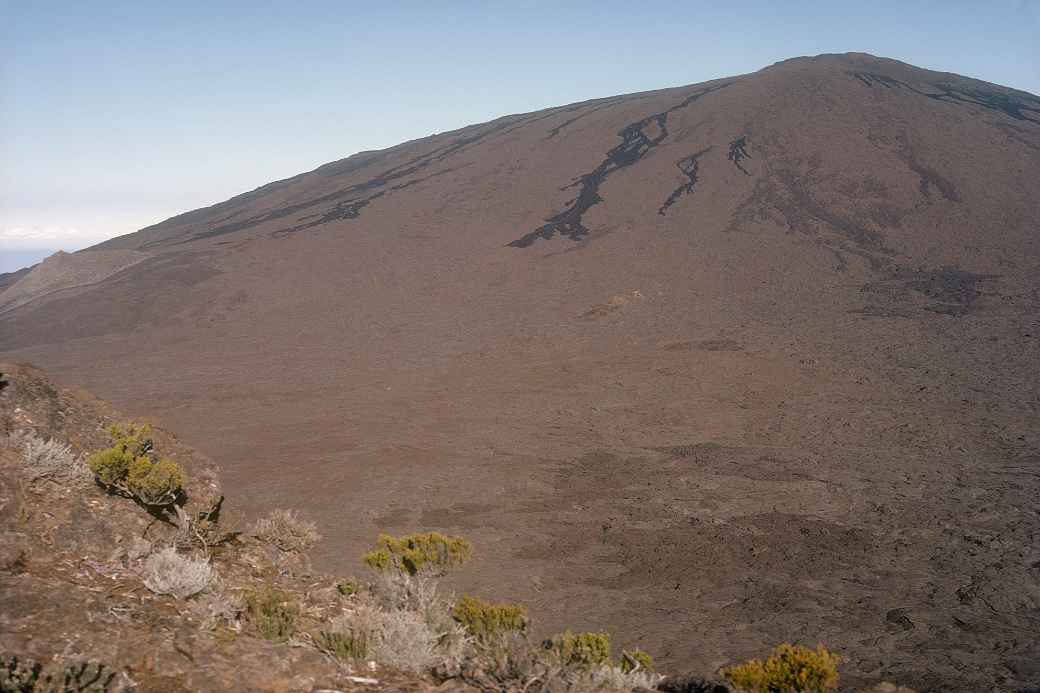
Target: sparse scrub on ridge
404,641
287,531
272,612
617,678
217,609
343,639
127,468
428,553
349,587
28,676
636,660
167,572
400,639
51,460
580,649
790,669
484,620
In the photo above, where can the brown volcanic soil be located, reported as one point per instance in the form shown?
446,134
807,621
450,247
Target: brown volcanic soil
714,367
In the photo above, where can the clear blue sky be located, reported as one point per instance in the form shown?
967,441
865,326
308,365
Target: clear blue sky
115,115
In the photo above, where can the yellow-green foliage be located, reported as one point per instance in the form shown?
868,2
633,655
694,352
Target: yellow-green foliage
155,483
484,620
790,669
271,611
348,587
112,465
429,552
581,649
350,646
127,467
636,660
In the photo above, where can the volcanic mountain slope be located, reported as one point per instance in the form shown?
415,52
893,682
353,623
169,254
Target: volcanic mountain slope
722,365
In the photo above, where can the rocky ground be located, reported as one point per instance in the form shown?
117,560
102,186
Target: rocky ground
74,601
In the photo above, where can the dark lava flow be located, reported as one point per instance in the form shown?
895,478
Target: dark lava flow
635,144
556,130
351,208
1016,104
689,166
738,152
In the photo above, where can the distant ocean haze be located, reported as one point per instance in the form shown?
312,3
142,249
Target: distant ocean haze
12,260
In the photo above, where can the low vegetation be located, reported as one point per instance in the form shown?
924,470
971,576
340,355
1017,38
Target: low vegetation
790,669
167,572
344,641
429,553
287,531
397,621
485,620
129,468
271,612
348,587
636,660
28,676
580,649
51,460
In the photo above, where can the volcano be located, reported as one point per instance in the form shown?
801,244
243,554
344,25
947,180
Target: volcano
712,367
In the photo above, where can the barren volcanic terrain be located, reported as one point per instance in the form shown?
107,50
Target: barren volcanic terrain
713,367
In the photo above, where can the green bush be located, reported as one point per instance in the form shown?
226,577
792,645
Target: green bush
412,554
155,483
348,587
111,465
581,649
351,645
485,620
790,669
126,467
272,612
28,676
636,660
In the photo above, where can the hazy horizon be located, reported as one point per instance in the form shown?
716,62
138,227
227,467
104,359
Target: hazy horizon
103,134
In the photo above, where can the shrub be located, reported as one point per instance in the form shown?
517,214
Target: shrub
217,609
790,669
404,641
348,645
399,639
155,483
287,531
580,649
52,460
348,587
28,676
513,664
127,468
484,620
417,594
167,572
636,660
617,678
272,612
429,553
17,675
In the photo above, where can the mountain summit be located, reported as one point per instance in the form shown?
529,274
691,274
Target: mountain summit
722,365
